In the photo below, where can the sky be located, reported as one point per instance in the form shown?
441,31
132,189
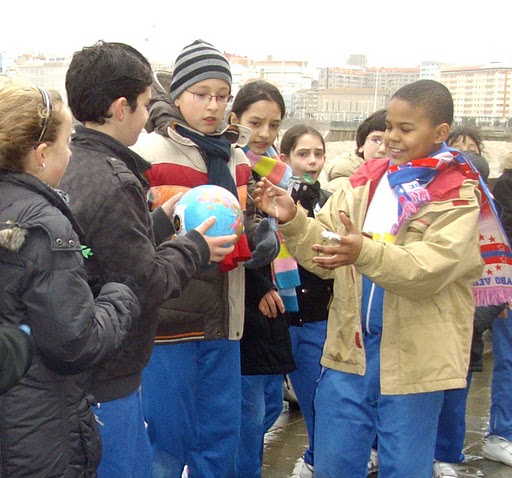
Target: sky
390,33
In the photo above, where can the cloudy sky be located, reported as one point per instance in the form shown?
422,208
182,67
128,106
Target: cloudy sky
324,32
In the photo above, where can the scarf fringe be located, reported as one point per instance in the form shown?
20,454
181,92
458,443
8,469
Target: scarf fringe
491,296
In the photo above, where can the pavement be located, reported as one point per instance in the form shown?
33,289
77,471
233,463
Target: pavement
287,439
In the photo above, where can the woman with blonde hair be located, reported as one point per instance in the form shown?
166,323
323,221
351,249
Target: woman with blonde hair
48,429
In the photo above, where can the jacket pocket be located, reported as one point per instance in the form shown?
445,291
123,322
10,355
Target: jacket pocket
89,433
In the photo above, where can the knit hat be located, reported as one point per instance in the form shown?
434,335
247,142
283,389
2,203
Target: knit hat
197,62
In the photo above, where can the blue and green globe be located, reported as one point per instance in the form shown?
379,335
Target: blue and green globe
202,202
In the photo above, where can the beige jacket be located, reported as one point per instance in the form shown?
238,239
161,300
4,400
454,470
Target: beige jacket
427,276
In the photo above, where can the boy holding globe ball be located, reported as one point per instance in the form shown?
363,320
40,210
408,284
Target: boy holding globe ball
197,356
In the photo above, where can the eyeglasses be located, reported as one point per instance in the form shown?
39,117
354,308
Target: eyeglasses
377,141
205,98
47,113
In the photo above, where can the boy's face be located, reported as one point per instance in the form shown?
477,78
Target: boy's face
410,134
134,121
374,146
203,104
465,143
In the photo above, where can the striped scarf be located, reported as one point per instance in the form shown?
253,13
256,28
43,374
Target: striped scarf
285,272
410,181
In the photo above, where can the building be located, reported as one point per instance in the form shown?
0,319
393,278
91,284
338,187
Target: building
49,74
347,105
481,93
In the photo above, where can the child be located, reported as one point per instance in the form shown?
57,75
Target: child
46,423
465,138
452,419
191,386
303,148
498,442
369,145
265,348
400,323
108,87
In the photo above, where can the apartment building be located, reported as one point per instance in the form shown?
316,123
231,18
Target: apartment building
481,93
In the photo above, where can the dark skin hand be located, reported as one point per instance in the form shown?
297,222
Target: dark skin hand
343,254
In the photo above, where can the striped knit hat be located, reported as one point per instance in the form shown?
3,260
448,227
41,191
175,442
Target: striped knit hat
197,62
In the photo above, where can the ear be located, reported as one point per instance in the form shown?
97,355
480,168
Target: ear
118,108
284,158
360,150
442,132
233,118
36,159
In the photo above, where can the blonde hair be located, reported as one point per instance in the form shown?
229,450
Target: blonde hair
23,115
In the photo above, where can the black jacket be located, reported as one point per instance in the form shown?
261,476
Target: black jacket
265,347
16,349
107,190
47,427
313,294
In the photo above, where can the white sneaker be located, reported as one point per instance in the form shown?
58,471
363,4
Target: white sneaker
373,462
498,449
306,471
443,470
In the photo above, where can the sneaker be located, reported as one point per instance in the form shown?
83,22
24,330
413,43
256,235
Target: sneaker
443,470
498,449
306,470
373,462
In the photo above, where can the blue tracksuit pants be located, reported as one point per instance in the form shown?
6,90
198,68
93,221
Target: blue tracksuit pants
191,393
126,449
500,422
262,403
350,411
307,345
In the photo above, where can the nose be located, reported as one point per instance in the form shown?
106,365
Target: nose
213,104
264,131
312,158
382,151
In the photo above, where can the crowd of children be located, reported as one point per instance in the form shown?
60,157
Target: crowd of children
128,352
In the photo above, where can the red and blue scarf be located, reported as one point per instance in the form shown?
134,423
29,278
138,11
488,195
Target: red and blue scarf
410,181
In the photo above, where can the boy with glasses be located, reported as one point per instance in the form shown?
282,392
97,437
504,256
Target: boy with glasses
192,384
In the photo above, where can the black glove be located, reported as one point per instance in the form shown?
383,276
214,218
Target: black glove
266,246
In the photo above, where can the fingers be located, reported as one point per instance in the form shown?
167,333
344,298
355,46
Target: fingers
168,206
220,246
345,220
205,225
270,304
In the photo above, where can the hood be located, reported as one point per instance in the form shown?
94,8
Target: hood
12,236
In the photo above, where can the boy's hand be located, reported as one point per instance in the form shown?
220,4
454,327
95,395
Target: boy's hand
168,206
219,246
270,304
274,201
343,254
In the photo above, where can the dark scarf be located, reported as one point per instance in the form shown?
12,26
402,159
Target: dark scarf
216,152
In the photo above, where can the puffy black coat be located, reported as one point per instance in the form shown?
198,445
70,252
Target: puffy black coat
16,351
47,426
